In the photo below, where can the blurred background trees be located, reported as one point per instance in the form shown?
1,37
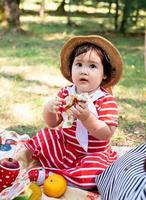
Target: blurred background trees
125,13
10,13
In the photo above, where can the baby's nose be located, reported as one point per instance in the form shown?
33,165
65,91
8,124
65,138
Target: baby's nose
84,70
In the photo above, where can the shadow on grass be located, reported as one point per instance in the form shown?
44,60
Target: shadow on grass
132,102
71,14
132,126
134,82
58,27
129,133
22,129
20,79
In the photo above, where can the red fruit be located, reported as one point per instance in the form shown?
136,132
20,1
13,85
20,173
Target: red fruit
9,163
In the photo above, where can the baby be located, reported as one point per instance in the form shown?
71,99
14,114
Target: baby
82,119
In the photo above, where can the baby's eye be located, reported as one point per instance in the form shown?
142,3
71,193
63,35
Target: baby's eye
92,66
79,64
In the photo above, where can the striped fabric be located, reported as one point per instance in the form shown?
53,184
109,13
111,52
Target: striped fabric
59,151
125,179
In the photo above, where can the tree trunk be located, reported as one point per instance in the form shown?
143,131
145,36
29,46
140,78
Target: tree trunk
125,17
2,13
137,15
145,52
109,7
61,8
116,15
12,14
69,23
42,9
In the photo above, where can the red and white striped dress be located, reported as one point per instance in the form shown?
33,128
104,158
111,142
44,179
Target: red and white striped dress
59,151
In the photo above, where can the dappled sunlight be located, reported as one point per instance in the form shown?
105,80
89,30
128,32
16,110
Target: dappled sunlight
119,138
129,111
5,89
22,112
133,109
55,36
31,5
52,6
50,80
14,70
41,91
134,48
89,9
29,19
46,77
41,75
54,81
8,62
132,92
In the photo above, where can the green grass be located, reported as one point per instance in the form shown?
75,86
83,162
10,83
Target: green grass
29,74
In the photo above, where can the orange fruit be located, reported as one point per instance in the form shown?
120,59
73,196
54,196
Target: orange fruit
55,185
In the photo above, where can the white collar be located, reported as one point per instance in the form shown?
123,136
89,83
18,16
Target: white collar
81,131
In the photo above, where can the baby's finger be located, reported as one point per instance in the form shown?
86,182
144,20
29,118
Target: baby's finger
82,105
74,111
79,108
60,100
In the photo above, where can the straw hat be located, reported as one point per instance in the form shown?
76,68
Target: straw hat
111,51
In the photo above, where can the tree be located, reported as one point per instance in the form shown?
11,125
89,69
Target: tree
129,8
145,52
2,15
140,5
116,15
126,11
61,8
12,14
42,9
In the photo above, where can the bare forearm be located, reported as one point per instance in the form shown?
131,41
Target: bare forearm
97,128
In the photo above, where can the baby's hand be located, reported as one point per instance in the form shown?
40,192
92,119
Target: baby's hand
80,110
59,105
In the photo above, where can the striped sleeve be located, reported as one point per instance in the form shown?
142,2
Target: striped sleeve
108,110
63,92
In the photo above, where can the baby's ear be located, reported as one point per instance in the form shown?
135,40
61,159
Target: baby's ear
104,77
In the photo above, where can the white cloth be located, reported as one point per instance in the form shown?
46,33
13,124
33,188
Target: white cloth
81,131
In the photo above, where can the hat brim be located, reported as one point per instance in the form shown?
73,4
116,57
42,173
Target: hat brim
111,51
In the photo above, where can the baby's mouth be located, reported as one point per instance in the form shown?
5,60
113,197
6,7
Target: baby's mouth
83,80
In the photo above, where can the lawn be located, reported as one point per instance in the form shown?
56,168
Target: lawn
29,74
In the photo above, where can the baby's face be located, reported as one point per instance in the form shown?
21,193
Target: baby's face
87,72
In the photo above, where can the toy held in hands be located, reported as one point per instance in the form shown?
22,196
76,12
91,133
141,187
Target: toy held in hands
9,170
72,100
